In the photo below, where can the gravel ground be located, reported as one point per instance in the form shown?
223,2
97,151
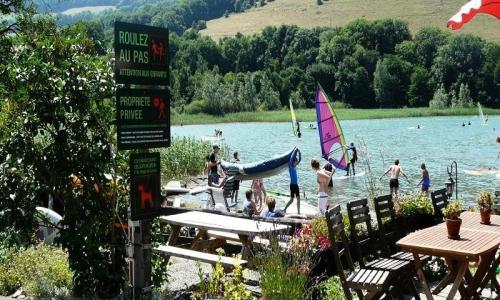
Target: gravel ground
183,277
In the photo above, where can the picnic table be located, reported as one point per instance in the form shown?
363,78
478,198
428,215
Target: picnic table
222,226
478,243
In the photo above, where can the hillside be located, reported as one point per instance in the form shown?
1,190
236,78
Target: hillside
306,13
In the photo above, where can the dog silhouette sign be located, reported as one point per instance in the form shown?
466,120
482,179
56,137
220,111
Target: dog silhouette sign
145,185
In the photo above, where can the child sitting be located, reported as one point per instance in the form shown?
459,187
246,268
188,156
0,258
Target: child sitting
250,208
270,212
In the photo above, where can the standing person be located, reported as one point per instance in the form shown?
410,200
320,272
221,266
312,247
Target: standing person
354,159
395,170
323,177
294,180
425,181
236,184
259,192
213,164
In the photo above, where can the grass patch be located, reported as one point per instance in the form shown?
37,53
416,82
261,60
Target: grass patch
337,13
309,115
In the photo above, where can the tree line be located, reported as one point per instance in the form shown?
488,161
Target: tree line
365,64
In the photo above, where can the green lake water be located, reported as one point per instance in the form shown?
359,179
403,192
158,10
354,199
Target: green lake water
440,141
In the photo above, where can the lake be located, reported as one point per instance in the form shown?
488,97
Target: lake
439,142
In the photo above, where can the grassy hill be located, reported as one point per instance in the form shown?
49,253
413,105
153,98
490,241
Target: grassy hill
306,13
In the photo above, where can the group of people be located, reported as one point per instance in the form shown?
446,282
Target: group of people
256,195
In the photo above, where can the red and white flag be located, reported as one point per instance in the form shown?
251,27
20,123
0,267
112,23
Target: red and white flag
473,7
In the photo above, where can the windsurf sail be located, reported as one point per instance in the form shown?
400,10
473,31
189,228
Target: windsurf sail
295,124
481,113
330,133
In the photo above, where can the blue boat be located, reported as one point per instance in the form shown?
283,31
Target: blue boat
261,169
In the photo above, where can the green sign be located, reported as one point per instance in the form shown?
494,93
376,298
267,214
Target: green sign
141,54
145,197
143,119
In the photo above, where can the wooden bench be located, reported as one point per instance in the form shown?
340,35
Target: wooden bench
235,238
227,262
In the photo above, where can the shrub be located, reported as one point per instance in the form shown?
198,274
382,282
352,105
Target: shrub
41,271
331,289
185,157
217,285
413,204
284,275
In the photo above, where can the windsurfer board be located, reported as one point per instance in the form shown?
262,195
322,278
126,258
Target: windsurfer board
348,177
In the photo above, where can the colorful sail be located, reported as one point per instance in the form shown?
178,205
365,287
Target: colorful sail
481,113
330,133
295,124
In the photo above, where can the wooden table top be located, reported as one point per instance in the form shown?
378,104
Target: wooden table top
208,221
475,239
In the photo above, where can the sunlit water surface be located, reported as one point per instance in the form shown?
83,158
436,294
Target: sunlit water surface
440,141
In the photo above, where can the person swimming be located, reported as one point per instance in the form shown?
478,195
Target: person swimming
418,126
463,124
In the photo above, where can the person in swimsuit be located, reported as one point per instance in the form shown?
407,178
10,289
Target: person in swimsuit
354,159
299,135
294,181
395,170
425,181
258,190
323,177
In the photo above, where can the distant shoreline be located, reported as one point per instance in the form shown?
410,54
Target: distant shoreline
309,115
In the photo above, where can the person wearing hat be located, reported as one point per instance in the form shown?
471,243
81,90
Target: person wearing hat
213,164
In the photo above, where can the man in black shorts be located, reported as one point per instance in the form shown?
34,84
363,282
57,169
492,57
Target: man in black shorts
294,181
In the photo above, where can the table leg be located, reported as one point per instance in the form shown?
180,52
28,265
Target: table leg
421,277
462,268
485,262
172,239
443,283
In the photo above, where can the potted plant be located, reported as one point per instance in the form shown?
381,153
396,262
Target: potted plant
453,221
484,201
414,212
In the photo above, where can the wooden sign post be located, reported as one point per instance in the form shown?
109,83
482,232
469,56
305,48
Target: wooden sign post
143,122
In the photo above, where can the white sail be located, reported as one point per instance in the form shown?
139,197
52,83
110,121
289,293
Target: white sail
481,115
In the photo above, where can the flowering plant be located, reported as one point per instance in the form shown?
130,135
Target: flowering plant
311,237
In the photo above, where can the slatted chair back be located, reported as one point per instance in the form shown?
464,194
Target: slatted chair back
439,202
386,220
339,245
359,214
496,202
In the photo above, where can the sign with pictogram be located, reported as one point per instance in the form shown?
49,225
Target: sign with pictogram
143,119
145,198
141,54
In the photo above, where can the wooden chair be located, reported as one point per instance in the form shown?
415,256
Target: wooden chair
375,282
439,202
388,231
359,213
496,202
